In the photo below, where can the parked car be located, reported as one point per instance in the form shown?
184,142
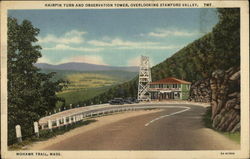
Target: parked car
128,101
134,100
118,101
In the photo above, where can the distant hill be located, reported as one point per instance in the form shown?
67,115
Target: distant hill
73,66
118,75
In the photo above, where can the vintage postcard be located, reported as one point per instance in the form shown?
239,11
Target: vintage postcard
124,79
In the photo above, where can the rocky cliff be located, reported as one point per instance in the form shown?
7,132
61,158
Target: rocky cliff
225,93
200,91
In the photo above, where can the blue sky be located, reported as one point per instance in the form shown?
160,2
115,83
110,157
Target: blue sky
116,37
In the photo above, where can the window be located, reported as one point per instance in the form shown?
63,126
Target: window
174,85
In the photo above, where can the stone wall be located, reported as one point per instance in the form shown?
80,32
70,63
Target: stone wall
225,93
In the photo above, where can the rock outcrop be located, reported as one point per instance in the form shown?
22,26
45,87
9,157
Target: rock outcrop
200,91
225,103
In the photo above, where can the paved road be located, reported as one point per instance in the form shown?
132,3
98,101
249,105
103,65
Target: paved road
174,131
94,108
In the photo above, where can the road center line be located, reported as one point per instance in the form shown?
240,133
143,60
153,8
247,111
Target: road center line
178,112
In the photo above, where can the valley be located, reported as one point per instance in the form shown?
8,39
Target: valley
85,85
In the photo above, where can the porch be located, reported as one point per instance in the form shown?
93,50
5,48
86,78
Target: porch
165,95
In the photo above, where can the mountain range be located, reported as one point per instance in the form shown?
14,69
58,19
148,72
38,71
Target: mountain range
74,66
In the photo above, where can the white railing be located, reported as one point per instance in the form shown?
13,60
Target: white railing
74,118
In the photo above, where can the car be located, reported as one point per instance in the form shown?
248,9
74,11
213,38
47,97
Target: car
133,100
116,101
128,101
136,100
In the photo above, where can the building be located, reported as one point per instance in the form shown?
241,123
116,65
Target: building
169,88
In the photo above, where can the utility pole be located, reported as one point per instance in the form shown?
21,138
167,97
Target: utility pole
144,80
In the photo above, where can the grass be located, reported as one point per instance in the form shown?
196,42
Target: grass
84,81
208,123
233,136
81,95
90,79
46,134
207,118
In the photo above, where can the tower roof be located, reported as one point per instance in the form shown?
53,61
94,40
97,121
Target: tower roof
170,80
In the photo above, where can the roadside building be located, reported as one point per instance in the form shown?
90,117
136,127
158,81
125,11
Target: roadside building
169,88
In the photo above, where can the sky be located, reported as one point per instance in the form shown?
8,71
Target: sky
116,37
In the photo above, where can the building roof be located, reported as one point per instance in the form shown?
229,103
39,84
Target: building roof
170,80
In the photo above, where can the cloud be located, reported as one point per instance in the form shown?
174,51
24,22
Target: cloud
134,61
71,37
137,60
119,42
43,59
67,47
91,59
122,44
156,47
99,43
162,33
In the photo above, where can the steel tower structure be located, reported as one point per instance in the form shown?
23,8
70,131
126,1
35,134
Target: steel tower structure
144,79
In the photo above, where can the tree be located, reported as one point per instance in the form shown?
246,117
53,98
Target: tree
226,36
30,93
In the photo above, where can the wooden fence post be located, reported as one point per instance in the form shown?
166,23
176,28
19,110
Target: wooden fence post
18,133
36,129
70,121
64,121
50,125
42,126
57,122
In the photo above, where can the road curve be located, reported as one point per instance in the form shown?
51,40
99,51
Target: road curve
179,131
101,107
